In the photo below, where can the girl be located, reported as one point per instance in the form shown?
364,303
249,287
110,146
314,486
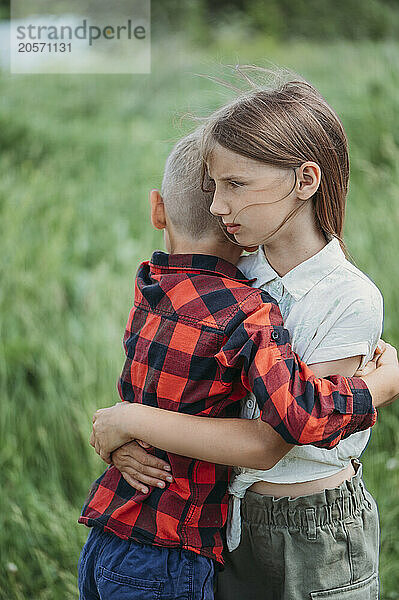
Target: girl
278,160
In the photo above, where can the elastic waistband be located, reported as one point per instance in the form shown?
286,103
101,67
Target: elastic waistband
320,509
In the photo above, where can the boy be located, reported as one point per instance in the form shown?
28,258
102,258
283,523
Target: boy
196,340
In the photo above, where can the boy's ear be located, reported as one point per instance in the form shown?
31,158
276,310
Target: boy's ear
158,217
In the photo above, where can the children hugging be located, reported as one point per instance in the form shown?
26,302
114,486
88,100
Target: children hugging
251,380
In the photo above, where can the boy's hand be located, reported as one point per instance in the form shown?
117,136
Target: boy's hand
110,430
371,366
138,467
383,382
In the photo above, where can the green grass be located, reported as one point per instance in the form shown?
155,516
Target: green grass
78,156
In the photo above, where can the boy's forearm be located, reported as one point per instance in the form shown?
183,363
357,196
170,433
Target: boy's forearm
234,442
380,386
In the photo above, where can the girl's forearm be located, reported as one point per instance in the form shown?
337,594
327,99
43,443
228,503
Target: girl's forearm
234,442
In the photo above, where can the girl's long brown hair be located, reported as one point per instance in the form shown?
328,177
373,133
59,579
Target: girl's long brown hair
285,126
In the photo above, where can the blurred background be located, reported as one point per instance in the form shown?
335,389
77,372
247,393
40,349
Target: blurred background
78,157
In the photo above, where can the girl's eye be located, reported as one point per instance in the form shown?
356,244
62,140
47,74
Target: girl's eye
208,184
236,184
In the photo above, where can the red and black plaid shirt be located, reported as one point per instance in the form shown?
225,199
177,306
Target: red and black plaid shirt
197,339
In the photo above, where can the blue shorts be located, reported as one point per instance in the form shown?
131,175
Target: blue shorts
114,569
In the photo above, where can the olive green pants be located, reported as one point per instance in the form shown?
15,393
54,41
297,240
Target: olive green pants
324,545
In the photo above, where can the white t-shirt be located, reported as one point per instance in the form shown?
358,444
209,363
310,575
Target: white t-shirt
332,311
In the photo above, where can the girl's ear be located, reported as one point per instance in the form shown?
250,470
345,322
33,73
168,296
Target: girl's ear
308,180
158,217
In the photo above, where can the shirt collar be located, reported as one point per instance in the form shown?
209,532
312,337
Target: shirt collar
162,262
302,278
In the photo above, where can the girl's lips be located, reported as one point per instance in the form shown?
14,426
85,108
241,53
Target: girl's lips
232,228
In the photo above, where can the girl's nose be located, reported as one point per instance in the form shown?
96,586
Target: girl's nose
219,207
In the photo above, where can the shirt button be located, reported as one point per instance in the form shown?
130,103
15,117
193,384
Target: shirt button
275,335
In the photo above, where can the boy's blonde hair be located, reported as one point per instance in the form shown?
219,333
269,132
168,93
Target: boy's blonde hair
186,203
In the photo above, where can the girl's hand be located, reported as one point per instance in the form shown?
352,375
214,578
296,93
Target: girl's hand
111,429
138,467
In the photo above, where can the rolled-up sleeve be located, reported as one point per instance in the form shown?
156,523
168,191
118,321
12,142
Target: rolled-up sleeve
302,408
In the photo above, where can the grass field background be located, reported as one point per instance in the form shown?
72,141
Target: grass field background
78,156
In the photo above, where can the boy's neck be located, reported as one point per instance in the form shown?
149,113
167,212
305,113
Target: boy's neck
222,249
